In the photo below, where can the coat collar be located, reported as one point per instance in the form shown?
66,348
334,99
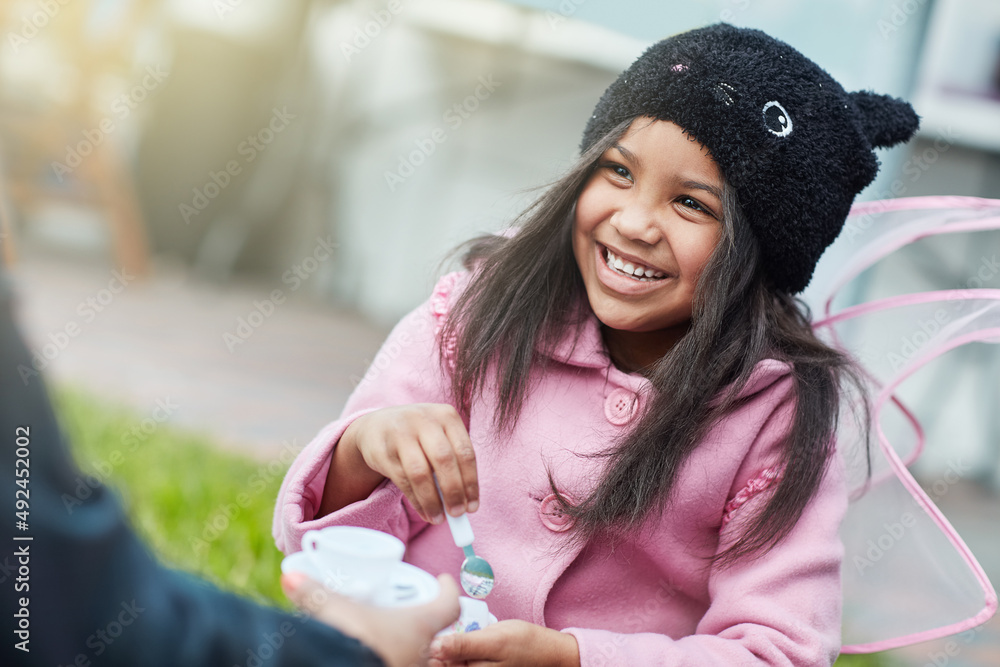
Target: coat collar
584,348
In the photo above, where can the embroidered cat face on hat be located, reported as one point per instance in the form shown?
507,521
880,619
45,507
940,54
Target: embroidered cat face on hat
795,146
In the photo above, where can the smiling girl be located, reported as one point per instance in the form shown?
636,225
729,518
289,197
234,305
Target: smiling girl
624,390
647,222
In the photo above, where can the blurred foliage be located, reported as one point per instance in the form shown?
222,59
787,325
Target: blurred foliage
182,494
183,497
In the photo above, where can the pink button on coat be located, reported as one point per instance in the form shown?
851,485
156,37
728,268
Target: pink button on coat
652,600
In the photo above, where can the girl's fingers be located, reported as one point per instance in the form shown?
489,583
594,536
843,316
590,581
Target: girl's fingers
465,458
468,647
423,442
417,483
441,456
404,459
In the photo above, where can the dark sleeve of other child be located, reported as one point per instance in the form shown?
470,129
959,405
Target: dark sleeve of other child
79,588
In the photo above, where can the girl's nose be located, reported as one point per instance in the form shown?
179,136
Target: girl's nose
636,223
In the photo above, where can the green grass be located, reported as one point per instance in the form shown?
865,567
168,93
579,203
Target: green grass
184,498
200,509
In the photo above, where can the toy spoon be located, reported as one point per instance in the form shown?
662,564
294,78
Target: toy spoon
476,575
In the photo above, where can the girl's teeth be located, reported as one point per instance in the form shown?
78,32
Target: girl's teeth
640,272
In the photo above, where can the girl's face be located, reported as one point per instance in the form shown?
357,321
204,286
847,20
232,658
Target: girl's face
646,223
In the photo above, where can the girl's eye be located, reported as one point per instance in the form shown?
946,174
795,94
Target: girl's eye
618,170
694,205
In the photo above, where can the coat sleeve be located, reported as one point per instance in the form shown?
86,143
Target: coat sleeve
407,369
781,608
84,590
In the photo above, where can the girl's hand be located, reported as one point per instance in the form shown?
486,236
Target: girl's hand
410,444
507,643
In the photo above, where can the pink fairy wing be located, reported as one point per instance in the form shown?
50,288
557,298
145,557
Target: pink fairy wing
907,575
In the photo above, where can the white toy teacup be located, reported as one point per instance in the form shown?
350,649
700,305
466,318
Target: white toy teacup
357,562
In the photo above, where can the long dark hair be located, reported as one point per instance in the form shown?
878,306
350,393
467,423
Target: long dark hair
526,292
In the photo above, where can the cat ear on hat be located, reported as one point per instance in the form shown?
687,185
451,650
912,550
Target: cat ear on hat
886,120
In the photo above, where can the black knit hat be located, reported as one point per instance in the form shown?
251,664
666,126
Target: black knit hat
795,146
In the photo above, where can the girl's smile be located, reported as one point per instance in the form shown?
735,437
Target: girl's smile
646,223
626,274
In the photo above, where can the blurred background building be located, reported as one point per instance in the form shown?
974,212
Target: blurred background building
338,150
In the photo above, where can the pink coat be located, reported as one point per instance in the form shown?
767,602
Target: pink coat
653,600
